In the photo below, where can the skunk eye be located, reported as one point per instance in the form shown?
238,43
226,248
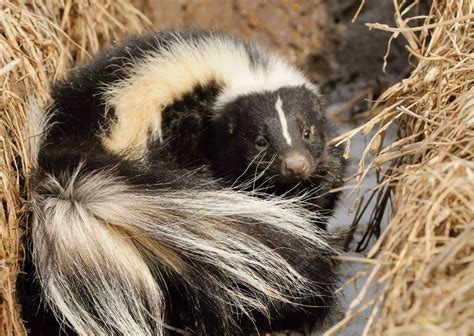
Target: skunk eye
261,143
306,133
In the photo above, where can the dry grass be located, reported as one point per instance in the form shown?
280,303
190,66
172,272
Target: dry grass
423,276
39,41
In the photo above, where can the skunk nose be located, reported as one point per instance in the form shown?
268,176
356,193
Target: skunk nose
294,164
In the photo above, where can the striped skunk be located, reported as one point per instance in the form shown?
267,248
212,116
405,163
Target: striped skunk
141,225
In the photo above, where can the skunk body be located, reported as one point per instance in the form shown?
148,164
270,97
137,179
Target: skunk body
137,230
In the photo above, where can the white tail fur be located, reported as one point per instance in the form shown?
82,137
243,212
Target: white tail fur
101,245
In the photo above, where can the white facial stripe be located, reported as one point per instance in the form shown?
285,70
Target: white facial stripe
283,122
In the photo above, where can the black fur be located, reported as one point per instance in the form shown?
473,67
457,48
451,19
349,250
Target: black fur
227,142
217,151
235,156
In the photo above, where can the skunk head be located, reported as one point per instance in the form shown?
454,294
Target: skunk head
275,135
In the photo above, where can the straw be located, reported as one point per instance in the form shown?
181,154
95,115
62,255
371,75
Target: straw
423,281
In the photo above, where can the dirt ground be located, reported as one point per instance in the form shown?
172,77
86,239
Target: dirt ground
344,58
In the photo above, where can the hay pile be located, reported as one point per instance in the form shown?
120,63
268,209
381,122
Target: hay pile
424,262
39,41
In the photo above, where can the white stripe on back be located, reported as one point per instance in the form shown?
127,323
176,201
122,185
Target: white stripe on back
283,122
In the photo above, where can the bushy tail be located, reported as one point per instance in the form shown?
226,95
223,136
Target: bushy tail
105,250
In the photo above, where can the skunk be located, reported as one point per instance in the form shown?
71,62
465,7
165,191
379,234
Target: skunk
144,223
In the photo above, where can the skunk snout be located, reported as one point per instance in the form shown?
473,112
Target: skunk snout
295,164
